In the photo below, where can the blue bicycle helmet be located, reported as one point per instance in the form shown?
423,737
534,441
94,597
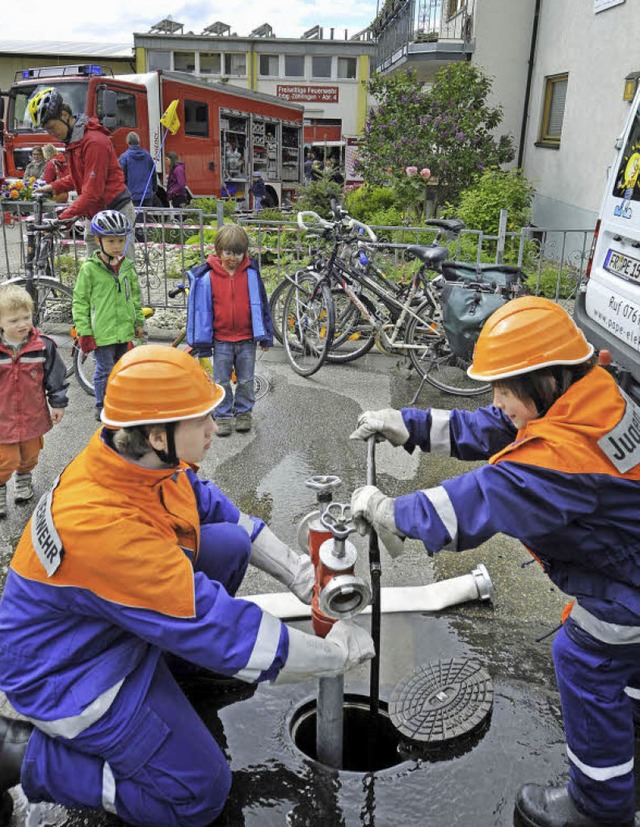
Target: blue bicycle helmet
110,222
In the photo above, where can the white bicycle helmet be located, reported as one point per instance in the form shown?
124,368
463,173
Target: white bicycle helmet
110,222
45,105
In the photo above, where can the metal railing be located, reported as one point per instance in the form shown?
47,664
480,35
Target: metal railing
169,242
402,23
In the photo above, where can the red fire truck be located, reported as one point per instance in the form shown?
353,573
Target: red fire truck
226,133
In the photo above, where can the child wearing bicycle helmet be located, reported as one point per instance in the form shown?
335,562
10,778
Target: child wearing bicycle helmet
127,576
107,313
33,392
563,476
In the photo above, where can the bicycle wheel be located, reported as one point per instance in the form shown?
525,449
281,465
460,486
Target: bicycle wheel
276,306
308,322
354,334
84,366
431,356
52,314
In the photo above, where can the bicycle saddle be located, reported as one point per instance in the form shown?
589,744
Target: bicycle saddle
449,225
431,256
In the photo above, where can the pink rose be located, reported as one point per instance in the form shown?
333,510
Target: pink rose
425,173
411,171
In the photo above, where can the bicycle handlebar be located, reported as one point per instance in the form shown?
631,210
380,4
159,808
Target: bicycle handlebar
351,224
365,227
326,225
179,288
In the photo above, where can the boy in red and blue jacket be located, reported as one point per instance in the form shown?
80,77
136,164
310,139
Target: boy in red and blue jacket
241,321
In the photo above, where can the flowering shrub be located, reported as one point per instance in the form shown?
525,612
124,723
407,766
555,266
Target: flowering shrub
411,191
445,134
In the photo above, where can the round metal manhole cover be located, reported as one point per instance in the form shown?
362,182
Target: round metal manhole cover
441,701
261,385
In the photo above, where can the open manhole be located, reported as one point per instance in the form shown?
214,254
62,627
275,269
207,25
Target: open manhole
370,743
442,702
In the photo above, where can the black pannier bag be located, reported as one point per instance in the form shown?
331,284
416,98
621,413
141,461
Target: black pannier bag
464,311
497,276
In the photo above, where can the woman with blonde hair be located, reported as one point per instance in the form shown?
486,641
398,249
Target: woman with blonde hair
55,167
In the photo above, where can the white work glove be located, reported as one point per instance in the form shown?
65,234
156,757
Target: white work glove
347,645
370,508
295,571
385,424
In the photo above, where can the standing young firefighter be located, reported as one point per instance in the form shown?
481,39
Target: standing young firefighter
129,557
563,444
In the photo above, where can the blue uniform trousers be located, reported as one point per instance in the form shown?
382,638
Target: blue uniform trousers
150,758
594,680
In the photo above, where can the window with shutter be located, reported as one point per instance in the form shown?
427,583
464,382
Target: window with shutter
553,111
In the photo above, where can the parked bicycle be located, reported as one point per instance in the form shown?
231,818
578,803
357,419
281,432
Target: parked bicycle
52,299
341,302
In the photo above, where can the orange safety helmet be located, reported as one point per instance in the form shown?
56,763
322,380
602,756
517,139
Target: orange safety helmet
524,335
157,384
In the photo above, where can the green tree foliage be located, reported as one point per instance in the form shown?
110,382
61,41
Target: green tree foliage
480,204
317,195
447,130
479,208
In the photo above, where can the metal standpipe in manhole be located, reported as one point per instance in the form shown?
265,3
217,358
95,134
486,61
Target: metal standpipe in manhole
439,709
370,744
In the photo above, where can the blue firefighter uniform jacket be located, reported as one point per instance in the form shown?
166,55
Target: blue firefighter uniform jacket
102,583
567,486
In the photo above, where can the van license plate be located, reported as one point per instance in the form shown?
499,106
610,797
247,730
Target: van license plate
622,265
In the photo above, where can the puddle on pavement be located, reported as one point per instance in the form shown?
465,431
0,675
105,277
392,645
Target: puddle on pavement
275,784
472,783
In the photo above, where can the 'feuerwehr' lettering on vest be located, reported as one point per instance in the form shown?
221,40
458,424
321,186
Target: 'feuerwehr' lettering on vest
622,443
44,537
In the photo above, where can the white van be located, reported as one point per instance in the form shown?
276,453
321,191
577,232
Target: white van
608,305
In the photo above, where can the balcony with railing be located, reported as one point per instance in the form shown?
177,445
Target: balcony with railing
423,34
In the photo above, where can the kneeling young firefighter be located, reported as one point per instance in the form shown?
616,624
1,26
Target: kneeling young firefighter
128,560
563,476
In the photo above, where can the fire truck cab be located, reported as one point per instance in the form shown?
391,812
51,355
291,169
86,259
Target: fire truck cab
226,133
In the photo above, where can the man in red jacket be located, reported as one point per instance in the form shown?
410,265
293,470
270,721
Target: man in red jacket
94,171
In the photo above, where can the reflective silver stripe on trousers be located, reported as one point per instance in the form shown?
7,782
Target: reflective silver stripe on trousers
75,724
439,499
264,651
108,789
247,523
612,633
440,436
632,692
600,773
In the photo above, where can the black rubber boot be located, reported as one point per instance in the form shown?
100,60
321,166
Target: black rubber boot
538,806
14,736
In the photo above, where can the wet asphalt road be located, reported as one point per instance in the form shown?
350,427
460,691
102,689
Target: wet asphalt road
301,429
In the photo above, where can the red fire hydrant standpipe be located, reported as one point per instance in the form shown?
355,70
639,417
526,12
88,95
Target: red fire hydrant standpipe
338,594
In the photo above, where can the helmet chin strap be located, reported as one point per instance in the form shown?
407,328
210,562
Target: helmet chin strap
67,139
112,259
169,457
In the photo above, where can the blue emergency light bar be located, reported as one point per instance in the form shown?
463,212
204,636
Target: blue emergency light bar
84,69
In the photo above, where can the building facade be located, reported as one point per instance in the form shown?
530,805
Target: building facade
559,70
325,71
577,105
15,56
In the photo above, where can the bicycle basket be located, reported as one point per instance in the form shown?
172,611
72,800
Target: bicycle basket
464,310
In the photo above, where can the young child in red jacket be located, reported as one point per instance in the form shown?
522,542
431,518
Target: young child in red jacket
241,323
33,392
